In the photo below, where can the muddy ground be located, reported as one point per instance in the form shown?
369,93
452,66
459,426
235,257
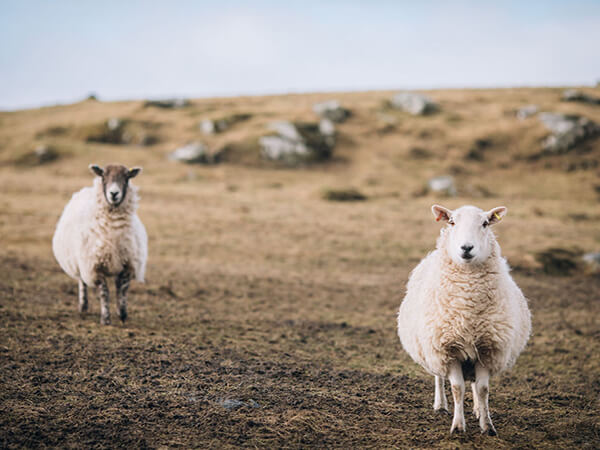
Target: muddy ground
268,316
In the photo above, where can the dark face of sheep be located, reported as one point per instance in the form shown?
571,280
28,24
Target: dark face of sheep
115,180
470,239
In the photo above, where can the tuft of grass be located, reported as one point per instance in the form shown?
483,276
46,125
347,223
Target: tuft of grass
558,261
343,195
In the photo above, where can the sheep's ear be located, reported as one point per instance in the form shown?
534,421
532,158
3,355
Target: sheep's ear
495,215
134,172
97,170
441,213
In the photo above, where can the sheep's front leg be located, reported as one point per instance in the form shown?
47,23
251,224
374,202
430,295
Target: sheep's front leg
102,290
122,284
440,401
482,377
458,394
83,297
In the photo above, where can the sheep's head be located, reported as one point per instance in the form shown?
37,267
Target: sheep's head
115,180
470,240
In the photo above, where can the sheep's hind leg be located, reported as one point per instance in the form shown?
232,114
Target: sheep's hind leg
122,284
102,289
83,297
440,402
457,382
482,376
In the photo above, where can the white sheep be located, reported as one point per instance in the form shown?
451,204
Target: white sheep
99,235
463,316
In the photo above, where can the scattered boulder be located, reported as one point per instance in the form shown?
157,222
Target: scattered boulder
343,195
573,95
42,154
297,142
332,110
442,185
413,103
558,261
327,129
591,262
213,126
527,111
567,131
195,153
173,103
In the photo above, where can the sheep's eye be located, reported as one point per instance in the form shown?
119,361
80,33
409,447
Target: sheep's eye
451,222
485,224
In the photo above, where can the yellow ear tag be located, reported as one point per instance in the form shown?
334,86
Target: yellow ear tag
497,217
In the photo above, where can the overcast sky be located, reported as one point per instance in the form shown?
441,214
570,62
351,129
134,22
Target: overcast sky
59,51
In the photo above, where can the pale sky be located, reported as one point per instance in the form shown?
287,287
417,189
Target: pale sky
59,51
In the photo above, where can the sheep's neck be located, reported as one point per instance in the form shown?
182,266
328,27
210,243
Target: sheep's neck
120,213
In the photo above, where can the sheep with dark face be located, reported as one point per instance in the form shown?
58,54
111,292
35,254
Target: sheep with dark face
463,316
99,235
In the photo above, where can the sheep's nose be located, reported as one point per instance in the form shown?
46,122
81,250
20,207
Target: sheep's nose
114,194
467,251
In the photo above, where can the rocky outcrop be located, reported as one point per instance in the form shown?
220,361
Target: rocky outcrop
413,103
331,110
195,153
294,143
567,131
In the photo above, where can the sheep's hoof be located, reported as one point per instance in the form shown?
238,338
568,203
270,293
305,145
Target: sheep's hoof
104,320
123,316
476,413
443,411
459,428
490,430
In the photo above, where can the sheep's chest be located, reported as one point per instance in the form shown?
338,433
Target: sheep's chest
112,255
466,333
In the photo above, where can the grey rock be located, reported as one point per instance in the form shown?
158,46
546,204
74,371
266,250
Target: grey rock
285,130
114,123
567,131
296,143
413,103
442,185
573,95
326,127
332,110
173,103
194,152
592,262
527,111
212,126
279,148
208,126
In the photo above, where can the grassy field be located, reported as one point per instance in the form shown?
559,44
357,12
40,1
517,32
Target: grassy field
260,290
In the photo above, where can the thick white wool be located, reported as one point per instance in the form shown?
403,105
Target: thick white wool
453,312
93,238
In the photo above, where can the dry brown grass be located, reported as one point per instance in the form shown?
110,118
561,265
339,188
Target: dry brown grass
258,289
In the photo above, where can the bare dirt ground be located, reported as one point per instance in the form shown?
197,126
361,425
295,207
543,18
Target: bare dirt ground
268,316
